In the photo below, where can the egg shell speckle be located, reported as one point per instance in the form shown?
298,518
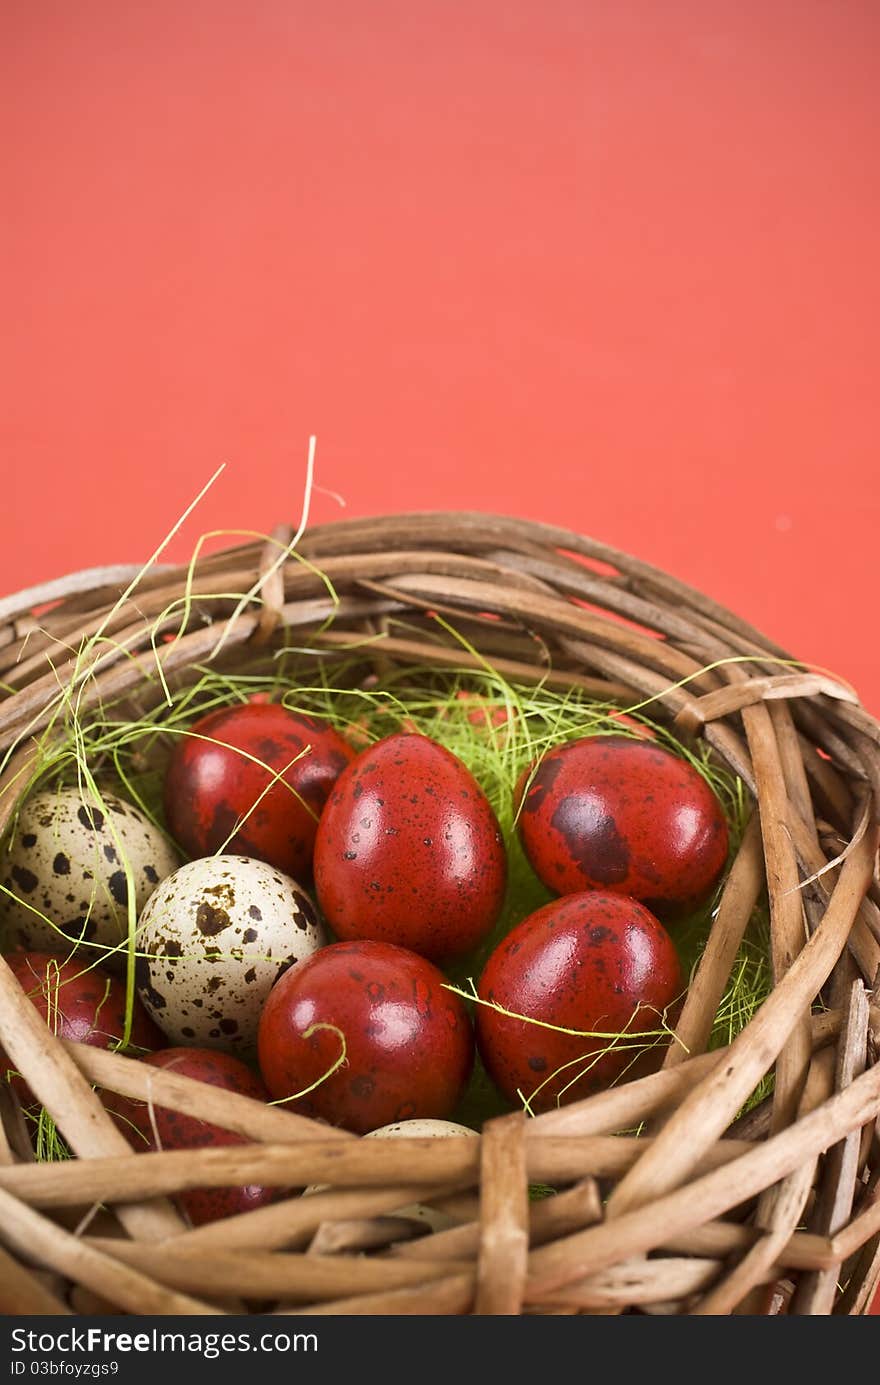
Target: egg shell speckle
65,867
217,935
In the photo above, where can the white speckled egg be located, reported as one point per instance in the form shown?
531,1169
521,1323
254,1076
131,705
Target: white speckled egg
214,938
64,867
419,1128
422,1129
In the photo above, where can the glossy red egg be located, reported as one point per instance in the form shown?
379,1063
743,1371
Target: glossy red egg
408,1042
614,813
174,1130
79,1002
591,962
212,788
409,851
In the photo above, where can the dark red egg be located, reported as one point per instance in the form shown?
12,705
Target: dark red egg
79,1002
211,788
614,813
599,964
407,1041
409,851
174,1130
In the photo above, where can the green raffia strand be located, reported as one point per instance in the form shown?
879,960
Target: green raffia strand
48,1144
334,1066
123,746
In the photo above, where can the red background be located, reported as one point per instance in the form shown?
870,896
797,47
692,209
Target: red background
612,265
609,265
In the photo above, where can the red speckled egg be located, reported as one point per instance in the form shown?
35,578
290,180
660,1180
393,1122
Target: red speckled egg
176,1130
596,963
612,813
409,851
79,1002
210,788
409,1045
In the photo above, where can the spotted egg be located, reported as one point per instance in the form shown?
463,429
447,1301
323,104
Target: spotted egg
64,869
419,1128
624,815
573,996
409,851
213,940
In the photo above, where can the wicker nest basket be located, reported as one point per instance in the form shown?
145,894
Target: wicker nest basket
700,1211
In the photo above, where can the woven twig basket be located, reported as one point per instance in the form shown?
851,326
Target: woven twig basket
700,1212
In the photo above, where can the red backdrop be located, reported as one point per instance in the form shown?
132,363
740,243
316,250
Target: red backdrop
608,265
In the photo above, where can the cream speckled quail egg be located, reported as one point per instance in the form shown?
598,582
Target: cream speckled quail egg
420,1128
214,938
64,868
